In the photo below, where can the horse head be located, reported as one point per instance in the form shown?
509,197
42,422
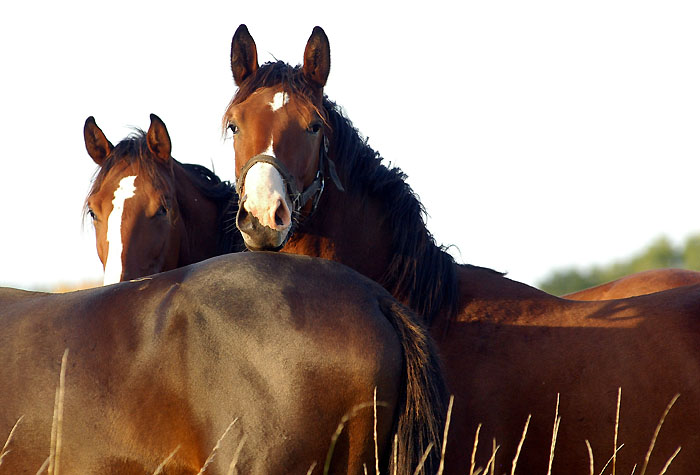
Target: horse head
133,202
280,132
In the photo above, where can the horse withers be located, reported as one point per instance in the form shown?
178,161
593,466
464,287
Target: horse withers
290,348
509,350
152,213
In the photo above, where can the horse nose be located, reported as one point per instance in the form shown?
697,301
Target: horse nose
275,215
281,215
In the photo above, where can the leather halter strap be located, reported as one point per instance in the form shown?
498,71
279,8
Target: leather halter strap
299,197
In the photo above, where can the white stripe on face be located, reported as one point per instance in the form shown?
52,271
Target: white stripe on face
280,100
113,267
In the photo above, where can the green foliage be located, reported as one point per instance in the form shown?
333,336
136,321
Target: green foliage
660,254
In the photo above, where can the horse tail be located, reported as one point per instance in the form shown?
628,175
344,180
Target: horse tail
422,403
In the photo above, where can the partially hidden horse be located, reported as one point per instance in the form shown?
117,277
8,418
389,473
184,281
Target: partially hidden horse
640,283
310,184
264,362
152,213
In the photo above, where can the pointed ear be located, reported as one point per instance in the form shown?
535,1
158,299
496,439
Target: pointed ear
158,139
317,58
97,145
244,55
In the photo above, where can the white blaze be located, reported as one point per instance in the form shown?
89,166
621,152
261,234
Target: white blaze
279,100
113,267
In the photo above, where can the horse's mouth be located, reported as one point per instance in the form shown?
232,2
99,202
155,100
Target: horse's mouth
257,236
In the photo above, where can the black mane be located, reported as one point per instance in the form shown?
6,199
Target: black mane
134,151
421,273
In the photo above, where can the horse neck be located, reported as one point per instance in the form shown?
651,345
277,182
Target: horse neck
200,221
356,229
355,236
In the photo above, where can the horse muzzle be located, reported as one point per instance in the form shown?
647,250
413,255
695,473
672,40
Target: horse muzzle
257,236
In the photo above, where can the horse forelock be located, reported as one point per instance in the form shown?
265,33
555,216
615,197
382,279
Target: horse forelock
421,273
132,153
273,74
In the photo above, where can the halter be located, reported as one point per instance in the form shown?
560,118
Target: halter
299,198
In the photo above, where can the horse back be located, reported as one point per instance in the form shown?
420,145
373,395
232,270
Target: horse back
163,365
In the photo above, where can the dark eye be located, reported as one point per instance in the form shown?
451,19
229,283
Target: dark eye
91,213
314,128
162,211
233,128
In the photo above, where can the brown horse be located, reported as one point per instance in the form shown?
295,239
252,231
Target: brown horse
152,213
640,283
508,349
287,346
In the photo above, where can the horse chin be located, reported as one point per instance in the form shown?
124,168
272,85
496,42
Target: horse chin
266,239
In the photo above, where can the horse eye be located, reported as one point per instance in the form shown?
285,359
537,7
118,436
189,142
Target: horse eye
233,128
91,213
314,128
162,211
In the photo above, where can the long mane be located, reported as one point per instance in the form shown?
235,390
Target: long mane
133,151
421,273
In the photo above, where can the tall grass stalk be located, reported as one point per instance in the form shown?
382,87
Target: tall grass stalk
216,447
5,450
668,462
617,425
334,438
656,433
520,445
159,468
555,431
423,458
57,424
376,449
441,467
472,465
237,454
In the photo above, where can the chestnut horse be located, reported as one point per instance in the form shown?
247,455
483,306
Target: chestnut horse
509,350
152,213
640,283
288,347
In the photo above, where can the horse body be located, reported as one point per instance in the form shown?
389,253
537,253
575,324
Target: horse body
152,213
640,283
287,347
508,349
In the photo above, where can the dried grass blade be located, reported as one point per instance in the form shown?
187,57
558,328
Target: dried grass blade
520,445
57,424
472,465
4,450
216,447
159,468
668,462
441,467
237,454
656,433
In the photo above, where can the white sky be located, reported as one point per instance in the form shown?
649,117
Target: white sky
538,134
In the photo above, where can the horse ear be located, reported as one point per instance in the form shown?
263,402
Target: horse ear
317,58
158,139
244,55
97,145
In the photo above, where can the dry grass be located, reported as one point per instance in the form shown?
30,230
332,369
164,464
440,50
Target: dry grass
53,461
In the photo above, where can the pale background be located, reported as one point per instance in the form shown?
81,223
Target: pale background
538,134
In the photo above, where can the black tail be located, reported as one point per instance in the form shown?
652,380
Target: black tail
422,407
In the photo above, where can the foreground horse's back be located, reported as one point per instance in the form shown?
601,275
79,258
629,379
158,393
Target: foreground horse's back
159,368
